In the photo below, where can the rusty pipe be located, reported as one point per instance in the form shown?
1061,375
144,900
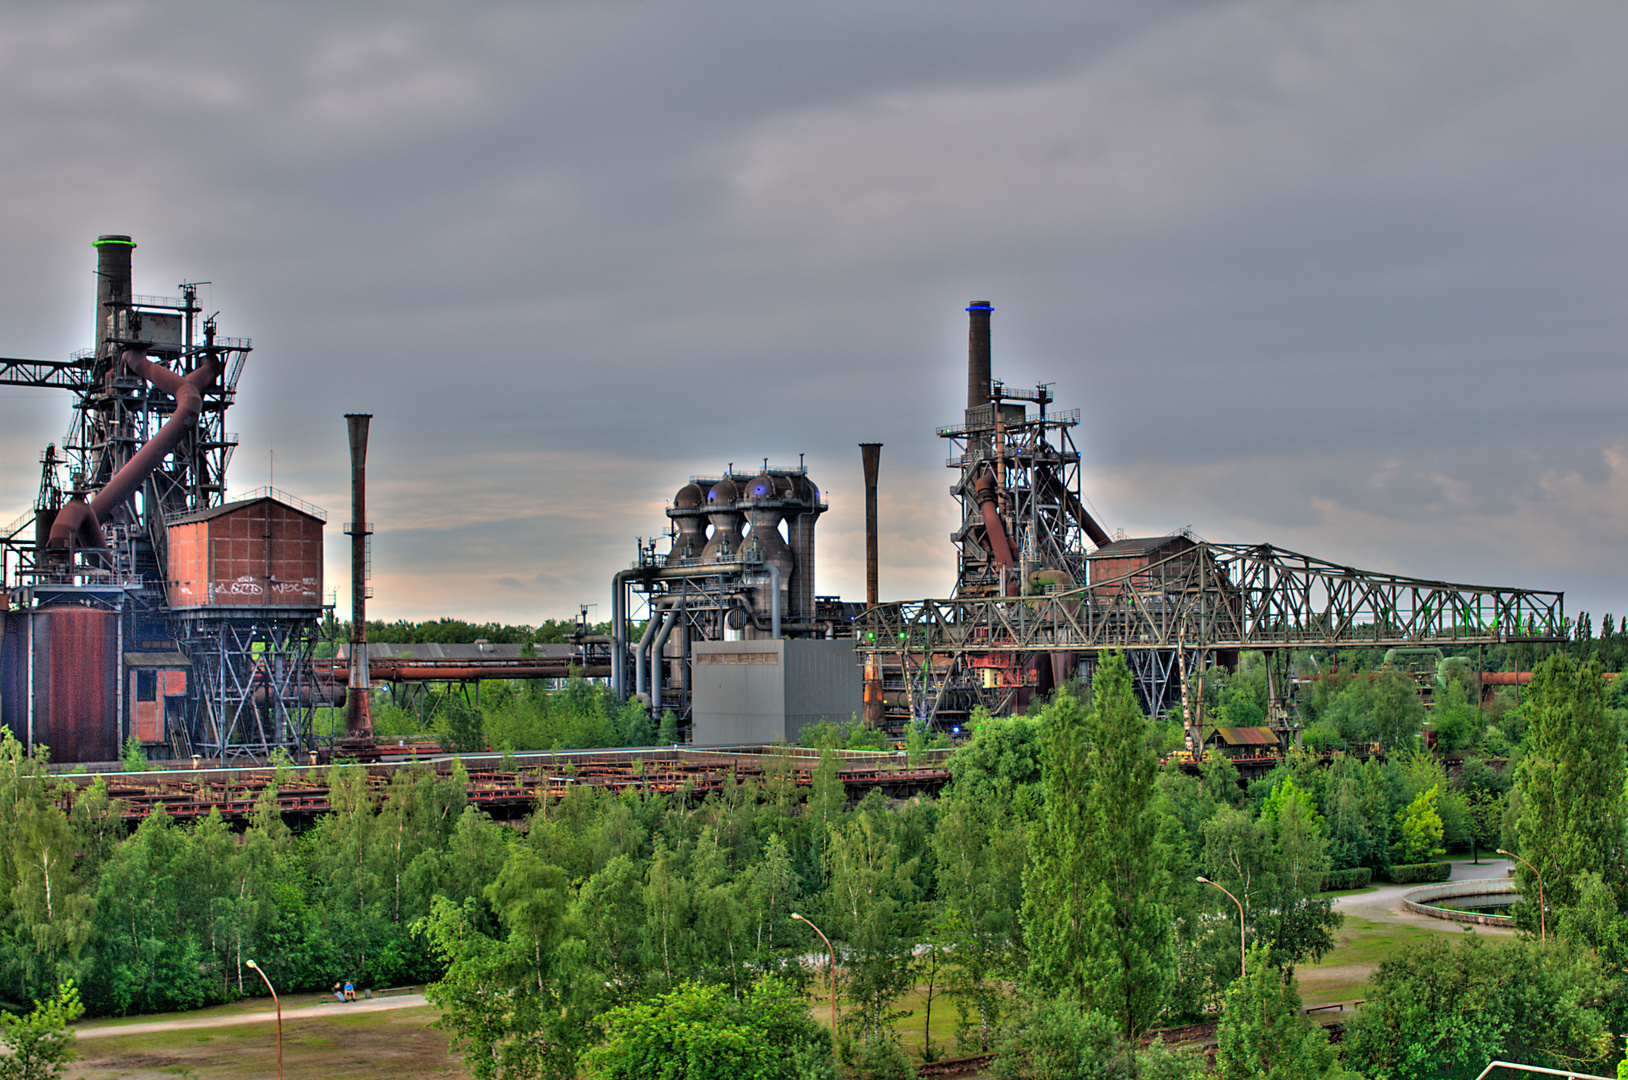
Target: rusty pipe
78,524
984,490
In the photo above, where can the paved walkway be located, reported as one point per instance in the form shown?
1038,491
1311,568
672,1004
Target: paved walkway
1384,904
103,1030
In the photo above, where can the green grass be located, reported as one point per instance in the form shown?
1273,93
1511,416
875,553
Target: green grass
913,1033
1360,946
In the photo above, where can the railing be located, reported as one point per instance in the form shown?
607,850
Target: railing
284,497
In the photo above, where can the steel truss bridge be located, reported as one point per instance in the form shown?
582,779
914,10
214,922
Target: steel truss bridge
1172,616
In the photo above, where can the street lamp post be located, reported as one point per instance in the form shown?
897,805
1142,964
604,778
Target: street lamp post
1243,963
279,1005
1543,920
833,953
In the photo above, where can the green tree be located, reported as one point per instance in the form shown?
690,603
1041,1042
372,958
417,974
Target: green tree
1419,829
1095,916
874,914
1263,1035
979,853
40,1045
1397,711
465,725
1569,786
1444,1007
699,1032
517,1006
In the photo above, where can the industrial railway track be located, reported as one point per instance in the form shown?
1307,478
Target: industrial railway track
189,794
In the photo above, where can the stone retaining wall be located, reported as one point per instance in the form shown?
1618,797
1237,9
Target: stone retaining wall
1419,900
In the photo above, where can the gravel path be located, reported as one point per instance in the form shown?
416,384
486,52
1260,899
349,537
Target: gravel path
332,1008
1384,904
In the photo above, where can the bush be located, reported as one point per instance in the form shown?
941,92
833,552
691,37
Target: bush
1340,880
1418,873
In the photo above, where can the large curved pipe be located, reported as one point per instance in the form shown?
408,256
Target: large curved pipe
79,525
650,627
984,490
656,662
619,629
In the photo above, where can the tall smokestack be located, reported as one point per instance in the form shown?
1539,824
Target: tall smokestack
978,354
358,709
870,455
112,284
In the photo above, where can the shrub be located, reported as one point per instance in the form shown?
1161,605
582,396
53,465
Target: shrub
1418,873
1339,880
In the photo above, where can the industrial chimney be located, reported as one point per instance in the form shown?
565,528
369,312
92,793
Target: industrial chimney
870,455
358,709
978,354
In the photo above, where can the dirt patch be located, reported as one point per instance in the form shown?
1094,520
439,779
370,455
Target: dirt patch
395,1045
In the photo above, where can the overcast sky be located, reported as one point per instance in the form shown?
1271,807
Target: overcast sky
1348,278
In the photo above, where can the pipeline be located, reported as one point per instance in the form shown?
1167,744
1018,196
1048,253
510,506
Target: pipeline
987,498
619,629
1099,536
79,524
656,662
670,573
638,654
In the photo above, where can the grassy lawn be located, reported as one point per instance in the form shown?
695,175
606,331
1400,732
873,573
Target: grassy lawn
1359,947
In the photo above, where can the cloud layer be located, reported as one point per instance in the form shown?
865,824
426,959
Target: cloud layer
1345,277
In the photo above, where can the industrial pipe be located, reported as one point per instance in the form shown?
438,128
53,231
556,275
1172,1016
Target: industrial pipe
650,626
619,630
79,524
670,573
656,662
984,489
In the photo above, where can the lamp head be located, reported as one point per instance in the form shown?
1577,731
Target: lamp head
251,963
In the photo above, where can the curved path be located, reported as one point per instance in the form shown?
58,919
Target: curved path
1384,903
102,1029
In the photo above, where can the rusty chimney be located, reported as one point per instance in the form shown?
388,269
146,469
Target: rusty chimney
978,354
870,455
358,709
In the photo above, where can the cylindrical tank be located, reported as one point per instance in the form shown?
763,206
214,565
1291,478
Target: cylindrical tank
690,517
725,514
76,702
801,514
763,511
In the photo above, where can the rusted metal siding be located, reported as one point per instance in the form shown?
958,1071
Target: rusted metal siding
75,684
260,554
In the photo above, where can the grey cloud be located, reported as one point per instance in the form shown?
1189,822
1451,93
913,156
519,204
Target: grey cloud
570,254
